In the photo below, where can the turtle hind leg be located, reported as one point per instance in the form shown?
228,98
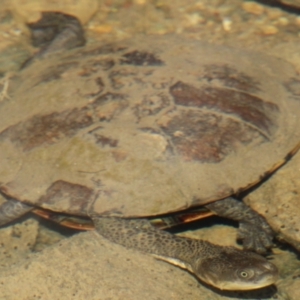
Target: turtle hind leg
254,231
12,210
53,33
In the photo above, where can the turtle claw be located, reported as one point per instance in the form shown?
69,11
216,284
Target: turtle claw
254,231
256,238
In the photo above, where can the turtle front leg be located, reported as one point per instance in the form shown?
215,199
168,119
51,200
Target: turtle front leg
55,32
12,210
254,231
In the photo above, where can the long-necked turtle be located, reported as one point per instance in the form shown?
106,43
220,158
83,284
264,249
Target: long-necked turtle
149,126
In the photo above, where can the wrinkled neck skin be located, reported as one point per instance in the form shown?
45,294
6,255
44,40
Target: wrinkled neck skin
225,268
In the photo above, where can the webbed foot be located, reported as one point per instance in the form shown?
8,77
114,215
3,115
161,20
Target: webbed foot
254,231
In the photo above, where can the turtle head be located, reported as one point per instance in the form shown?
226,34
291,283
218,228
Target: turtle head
234,269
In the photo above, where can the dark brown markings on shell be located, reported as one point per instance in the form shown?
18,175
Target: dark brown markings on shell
203,136
151,105
100,84
125,75
105,141
248,108
49,129
77,197
54,73
95,65
293,87
140,58
122,77
119,101
230,77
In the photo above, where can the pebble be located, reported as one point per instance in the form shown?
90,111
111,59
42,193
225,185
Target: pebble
269,30
253,8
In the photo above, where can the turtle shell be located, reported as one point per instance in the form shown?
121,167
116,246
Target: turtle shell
145,126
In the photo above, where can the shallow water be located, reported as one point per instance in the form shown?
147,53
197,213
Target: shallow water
68,267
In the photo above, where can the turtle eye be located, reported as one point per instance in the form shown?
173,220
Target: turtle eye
244,274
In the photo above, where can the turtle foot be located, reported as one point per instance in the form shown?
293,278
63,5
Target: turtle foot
55,32
12,210
254,231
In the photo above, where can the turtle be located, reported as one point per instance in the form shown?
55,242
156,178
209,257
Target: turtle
125,130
